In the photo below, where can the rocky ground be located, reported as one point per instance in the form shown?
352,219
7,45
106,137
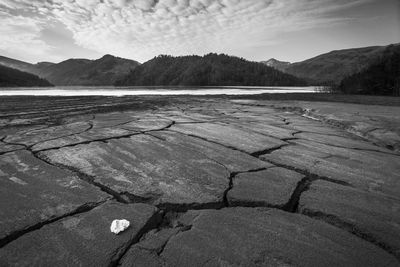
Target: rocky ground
203,182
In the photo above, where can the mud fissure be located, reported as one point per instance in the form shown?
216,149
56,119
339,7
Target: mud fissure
18,233
351,228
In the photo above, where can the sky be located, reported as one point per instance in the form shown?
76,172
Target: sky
288,30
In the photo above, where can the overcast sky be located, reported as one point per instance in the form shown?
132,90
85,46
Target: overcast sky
290,30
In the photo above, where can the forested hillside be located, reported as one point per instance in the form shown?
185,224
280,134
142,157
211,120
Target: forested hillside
103,71
77,71
211,69
332,67
380,78
12,78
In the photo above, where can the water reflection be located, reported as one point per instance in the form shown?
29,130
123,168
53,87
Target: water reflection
133,91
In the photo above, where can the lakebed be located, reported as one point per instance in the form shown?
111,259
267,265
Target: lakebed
215,181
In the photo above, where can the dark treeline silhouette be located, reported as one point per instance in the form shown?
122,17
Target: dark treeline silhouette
211,69
13,78
380,78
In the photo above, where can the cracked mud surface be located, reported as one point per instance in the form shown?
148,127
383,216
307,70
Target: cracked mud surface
204,182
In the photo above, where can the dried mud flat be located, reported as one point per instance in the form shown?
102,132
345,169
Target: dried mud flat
203,181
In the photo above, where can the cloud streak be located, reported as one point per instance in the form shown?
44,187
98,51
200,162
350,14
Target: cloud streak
141,29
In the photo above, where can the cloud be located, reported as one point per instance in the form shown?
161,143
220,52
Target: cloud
141,29
19,36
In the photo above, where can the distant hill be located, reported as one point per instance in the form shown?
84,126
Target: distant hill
67,72
380,78
15,64
10,77
211,69
279,65
332,67
103,71
39,67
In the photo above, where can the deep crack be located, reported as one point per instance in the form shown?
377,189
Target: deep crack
310,175
293,203
18,233
152,223
105,139
257,154
351,228
120,197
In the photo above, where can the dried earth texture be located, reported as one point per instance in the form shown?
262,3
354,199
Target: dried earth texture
203,182
379,124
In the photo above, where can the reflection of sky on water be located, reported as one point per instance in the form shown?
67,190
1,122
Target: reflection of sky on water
133,91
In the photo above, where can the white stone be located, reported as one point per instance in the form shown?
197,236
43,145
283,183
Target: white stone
118,226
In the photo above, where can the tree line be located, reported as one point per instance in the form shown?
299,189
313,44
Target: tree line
380,78
209,70
13,78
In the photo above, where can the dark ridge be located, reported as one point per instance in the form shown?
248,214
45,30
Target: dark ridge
15,64
379,78
209,70
15,78
103,71
332,67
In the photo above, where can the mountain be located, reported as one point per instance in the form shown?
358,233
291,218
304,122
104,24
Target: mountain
39,67
332,67
211,69
67,72
10,77
380,78
279,65
15,64
102,71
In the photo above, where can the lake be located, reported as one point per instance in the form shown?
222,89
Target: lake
155,90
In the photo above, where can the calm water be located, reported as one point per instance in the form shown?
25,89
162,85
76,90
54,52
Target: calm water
132,91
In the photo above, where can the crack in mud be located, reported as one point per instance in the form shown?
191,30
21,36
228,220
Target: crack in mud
18,233
159,219
132,133
392,153
340,125
309,174
152,223
351,228
267,151
230,184
105,139
211,141
63,136
123,197
293,203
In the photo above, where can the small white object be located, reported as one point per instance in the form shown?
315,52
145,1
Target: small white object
118,226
